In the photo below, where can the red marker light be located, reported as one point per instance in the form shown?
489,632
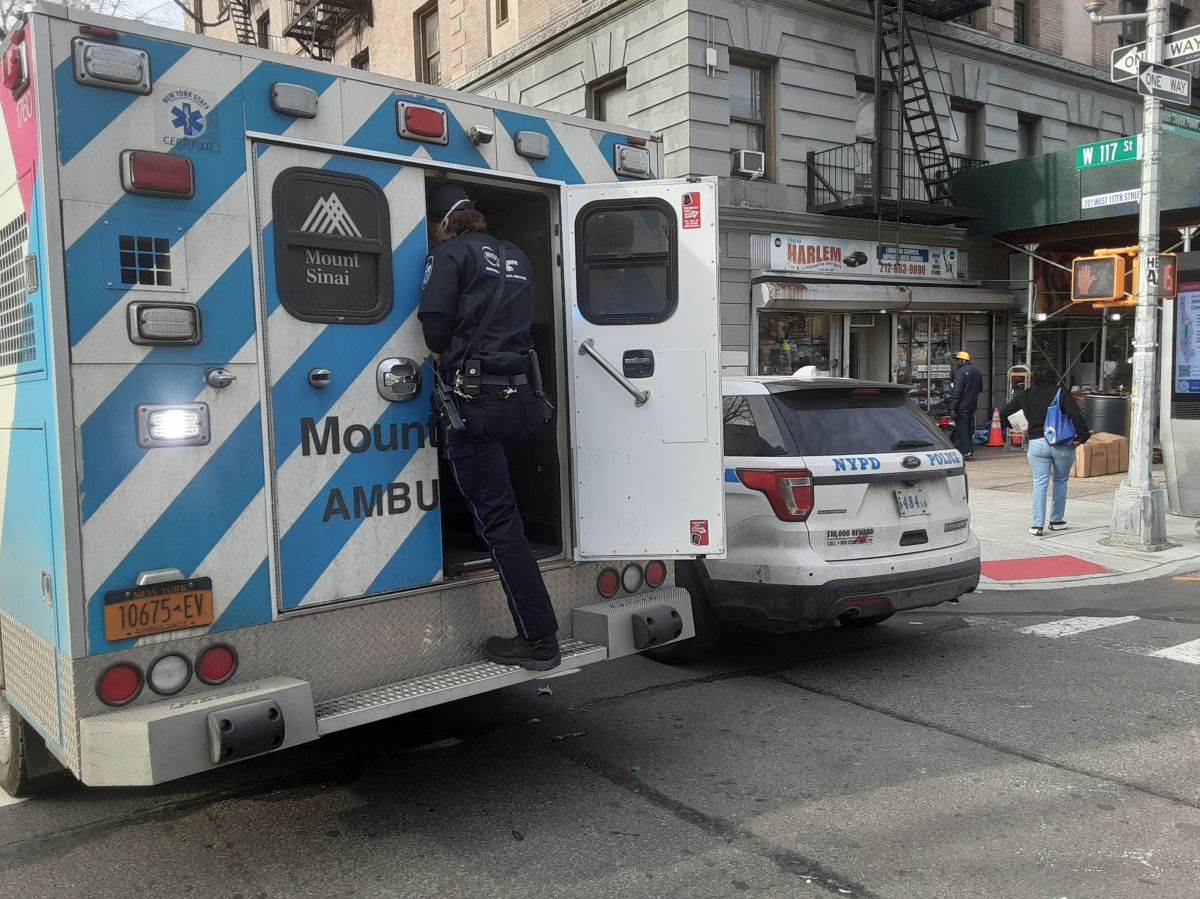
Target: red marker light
216,664
608,583
656,573
425,122
120,684
157,174
97,31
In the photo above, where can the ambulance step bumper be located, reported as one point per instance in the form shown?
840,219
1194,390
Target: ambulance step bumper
406,696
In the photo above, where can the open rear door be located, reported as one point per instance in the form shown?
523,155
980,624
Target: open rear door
645,373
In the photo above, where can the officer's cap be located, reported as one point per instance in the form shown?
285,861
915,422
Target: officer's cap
444,196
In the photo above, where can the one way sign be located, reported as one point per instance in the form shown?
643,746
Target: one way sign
1179,48
1165,83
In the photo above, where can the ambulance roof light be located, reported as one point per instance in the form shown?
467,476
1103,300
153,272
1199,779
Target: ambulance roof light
531,144
423,123
112,67
633,162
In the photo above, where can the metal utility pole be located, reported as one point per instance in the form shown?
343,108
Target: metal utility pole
1139,518
1030,303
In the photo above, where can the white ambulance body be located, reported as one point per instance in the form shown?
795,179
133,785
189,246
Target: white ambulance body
224,527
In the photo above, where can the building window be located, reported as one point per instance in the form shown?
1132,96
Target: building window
749,109
608,100
1132,32
262,29
361,60
1021,22
428,47
1029,136
962,137
501,11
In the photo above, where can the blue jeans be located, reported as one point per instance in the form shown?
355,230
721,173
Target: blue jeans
1044,459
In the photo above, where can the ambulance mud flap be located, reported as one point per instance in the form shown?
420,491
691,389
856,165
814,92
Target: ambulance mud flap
629,624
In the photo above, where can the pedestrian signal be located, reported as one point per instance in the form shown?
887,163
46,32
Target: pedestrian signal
1097,278
1168,272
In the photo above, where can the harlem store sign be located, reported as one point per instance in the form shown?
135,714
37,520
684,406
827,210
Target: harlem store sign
861,258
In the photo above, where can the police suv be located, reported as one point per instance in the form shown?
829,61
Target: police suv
844,504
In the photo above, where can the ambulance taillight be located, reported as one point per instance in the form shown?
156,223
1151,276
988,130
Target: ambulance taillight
120,684
632,577
216,664
608,582
157,174
169,674
656,573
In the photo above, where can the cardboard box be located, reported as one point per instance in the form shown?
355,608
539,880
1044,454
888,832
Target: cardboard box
1117,449
1091,460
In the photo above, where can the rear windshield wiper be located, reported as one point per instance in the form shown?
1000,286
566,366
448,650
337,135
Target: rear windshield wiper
913,443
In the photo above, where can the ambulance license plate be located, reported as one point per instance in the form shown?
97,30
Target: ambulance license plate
911,502
155,608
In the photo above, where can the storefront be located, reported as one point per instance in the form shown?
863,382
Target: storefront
884,325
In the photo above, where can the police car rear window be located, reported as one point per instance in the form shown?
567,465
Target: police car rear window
837,422
749,427
628,262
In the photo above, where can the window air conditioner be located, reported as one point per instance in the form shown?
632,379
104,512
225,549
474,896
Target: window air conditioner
750,164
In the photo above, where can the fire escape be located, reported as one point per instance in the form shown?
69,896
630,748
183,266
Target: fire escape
316,24
906,172
243,25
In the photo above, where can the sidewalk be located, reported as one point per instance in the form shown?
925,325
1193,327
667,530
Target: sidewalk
1000,484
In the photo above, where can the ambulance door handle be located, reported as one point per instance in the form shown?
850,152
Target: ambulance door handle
319,378
588,348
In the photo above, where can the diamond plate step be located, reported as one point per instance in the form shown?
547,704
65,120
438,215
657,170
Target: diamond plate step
441,686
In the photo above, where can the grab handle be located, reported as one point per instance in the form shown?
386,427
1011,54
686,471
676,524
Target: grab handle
588,348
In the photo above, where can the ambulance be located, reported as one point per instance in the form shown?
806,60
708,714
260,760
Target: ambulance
226,529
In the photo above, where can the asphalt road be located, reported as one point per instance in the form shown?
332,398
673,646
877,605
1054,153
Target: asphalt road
946,753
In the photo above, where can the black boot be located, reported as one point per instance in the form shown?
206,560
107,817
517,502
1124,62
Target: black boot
540,654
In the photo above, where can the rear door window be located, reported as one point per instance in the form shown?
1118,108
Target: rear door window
628,262
749,427
864,420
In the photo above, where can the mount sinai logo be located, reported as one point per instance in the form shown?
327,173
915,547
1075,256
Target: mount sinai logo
330,217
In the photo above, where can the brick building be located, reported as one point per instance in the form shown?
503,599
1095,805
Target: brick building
778,99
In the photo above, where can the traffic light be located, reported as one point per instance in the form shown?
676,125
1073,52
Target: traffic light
1098,279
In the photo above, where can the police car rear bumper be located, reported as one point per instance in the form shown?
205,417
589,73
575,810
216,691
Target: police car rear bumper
785,608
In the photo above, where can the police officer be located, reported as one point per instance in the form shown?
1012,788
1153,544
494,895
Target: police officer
964,398
498,402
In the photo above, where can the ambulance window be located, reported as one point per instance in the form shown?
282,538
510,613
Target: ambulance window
628,262
750,428
333,247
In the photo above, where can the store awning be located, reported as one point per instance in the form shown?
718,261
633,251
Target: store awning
824,296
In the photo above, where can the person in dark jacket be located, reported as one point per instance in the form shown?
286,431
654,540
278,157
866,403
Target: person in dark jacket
1046,459
460,283
964,400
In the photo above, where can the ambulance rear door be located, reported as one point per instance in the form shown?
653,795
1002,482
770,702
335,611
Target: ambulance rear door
643,348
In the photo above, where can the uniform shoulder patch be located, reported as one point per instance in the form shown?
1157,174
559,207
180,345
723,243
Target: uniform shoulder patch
428,272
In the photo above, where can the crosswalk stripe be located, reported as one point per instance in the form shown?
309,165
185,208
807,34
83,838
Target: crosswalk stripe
1066,627
1184,652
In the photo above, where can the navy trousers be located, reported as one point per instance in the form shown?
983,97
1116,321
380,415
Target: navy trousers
964,430
479,462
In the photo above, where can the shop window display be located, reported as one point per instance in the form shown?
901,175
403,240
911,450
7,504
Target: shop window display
790,341
926,344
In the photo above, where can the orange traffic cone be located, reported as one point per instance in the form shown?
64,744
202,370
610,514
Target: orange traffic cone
995,434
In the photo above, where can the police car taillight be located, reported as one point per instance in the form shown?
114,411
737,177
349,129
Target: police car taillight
157,174
789,491
112,67
424,123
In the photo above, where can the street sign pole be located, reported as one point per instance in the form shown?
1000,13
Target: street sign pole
1139,505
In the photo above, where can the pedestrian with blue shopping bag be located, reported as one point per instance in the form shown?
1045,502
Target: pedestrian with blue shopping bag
1055,427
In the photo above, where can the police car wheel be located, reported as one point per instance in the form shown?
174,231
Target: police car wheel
865,621
708,625
18,743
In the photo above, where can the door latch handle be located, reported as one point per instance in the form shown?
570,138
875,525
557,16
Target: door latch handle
398,379
219,378
588,348
319,378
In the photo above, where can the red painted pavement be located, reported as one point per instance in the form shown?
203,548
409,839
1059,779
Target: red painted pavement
1040,567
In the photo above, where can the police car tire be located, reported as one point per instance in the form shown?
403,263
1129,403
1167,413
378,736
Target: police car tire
708,625
866,621
18,745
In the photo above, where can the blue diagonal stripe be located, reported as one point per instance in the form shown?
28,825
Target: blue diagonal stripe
110,451
193,523
84,112
558,164
418,559
379,130
251,606
261,116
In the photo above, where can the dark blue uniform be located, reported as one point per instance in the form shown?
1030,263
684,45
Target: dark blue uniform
964,399
459,283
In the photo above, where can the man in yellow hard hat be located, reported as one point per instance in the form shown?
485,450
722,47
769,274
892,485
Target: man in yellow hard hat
964,398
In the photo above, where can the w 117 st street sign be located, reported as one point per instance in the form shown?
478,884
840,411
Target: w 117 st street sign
1165,83
1179,48
1108,152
